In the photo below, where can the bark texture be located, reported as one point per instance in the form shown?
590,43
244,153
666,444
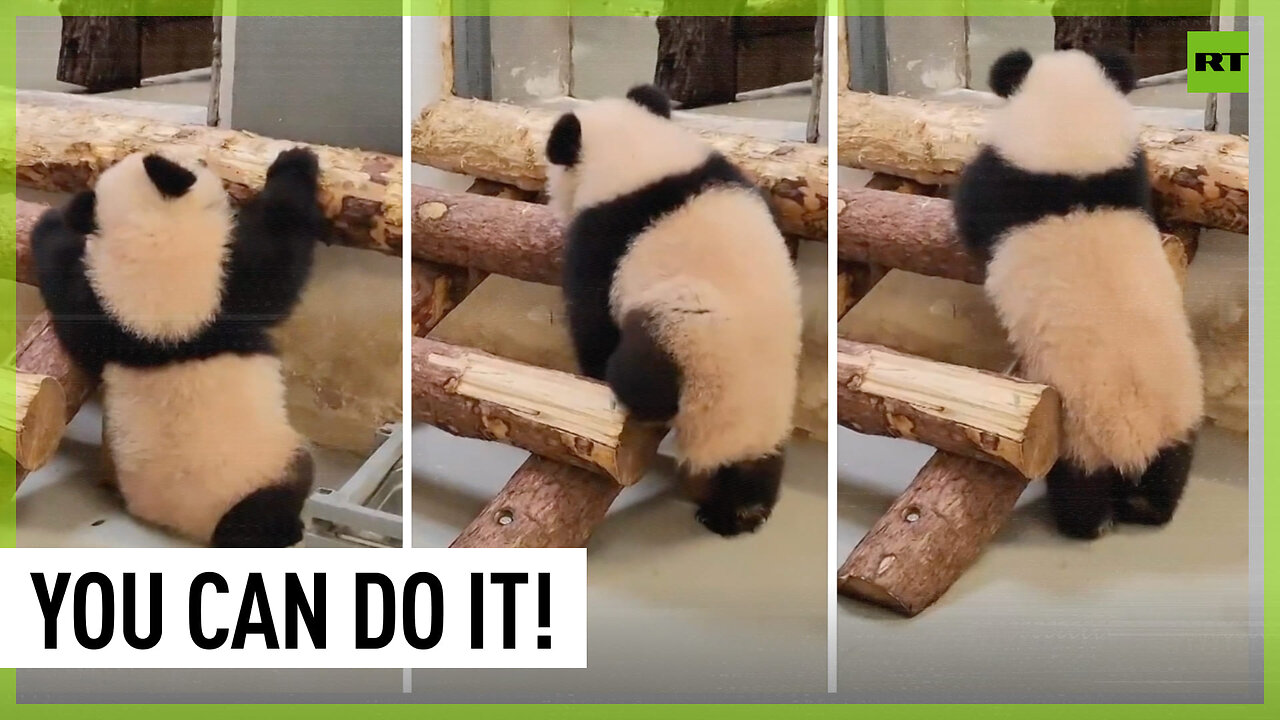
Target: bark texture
65,149
505,143
1198,176
982,415
545,504
931,534
697,61
550,413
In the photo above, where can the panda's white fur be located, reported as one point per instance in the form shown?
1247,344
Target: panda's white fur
1058,203
157,264
155,284
707,268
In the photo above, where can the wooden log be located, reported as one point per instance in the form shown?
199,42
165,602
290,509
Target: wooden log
917,233
545,504
62,148
100,53
25,218
39,352
505,143
1198,177
30,436
931,534
697,60
508,237
983,415
550,413
435,290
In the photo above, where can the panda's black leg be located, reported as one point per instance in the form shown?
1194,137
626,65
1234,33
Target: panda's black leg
642,374
1081,502
595,335
269,516
1154,498
740,497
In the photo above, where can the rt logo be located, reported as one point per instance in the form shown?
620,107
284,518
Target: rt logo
1218,62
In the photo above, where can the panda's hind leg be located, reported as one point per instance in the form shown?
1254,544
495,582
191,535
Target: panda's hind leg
1081,502
642,374
739,497
269,516
1153,499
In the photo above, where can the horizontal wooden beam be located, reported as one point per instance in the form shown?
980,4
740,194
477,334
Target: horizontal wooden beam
917,233
504,143
983,415
66,148
550,413
1197,176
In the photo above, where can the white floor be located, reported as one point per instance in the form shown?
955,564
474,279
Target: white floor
1141,615
675,612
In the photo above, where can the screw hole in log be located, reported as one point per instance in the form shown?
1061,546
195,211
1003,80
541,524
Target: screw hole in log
96,523
505,517
911,514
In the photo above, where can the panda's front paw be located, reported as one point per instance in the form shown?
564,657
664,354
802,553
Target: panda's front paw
728,520
300,162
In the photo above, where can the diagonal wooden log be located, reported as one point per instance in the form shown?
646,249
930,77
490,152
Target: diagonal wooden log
995,418
545,504
64,149
550,413
504,143
31,435
917,233
1197,176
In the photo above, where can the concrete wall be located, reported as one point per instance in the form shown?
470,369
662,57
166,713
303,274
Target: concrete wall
330,80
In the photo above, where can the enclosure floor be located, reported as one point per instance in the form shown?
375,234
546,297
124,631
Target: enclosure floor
674,611
1142,615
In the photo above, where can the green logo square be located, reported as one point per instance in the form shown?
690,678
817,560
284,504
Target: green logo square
1218,61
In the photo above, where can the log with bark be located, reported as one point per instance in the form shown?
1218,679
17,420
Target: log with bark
30,436
435,290
984,415
1198,176
931,534
545,504
505,143
65,149
550,413
917,233
697,60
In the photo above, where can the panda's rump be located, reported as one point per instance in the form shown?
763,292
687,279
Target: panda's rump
1094,310
716,282
190,439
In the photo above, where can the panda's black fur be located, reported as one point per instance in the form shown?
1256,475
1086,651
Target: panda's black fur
268,262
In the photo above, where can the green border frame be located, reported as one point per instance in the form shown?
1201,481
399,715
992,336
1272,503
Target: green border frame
820,707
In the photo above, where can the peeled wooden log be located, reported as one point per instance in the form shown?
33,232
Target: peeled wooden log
545,504
30,436
550,413
983,415
517,239
931,534
62,148
1198,176
505,143
917,233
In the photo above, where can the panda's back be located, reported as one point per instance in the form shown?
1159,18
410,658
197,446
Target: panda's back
1094,309
213,428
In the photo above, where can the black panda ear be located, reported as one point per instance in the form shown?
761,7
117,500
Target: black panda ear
1008,71
1119,69
170,178
652,99
80,212
564,145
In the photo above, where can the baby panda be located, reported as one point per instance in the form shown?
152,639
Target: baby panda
1057,203
159,289
681,295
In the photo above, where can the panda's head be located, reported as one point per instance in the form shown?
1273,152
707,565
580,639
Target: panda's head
160,227
614,146
1067,111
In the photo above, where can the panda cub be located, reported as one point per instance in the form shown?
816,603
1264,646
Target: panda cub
1058,204
159,289
681,295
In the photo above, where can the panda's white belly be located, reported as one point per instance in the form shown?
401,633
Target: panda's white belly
1094,310
190,440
